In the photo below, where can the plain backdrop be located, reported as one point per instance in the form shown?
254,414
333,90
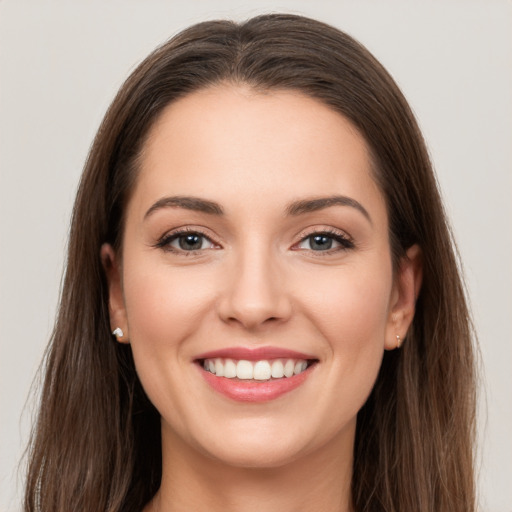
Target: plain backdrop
61,62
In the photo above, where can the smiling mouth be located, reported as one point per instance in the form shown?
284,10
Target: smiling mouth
261,370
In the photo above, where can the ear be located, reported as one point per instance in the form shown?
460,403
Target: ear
403,300
116,307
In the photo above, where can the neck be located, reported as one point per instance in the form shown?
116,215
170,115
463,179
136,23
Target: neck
194,481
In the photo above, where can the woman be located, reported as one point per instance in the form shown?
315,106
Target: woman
259,227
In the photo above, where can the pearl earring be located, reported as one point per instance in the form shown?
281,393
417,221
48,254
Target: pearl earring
118,332
398,341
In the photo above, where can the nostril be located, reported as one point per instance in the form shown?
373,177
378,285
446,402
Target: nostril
252,298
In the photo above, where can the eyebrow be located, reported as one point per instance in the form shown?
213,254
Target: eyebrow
316,204
188,203
295,208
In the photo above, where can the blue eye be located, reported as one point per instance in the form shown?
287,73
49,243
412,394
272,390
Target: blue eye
321,242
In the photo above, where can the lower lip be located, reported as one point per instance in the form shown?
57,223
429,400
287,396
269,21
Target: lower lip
255,391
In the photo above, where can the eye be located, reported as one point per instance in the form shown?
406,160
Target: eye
190,242
185,241
325,241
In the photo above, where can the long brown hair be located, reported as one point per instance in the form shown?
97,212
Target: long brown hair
96,445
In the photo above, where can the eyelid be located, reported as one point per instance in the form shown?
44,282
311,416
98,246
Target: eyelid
344,239
169,236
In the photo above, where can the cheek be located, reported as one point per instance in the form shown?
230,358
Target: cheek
351,310
350,305
164,304
165,307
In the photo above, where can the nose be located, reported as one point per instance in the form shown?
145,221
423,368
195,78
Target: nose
254,294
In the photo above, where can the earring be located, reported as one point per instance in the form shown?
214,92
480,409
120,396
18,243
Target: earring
398,341
118,333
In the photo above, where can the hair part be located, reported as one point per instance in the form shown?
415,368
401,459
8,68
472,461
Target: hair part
96,445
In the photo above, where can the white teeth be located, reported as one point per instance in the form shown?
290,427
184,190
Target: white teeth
244,370
255,370
289,367
277,369
262,370
219,368
229,369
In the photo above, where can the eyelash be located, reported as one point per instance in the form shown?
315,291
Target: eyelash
165,241
345,242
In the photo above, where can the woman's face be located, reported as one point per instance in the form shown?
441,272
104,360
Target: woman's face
256,233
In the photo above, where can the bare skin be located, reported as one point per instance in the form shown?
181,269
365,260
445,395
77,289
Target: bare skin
250,260
295,486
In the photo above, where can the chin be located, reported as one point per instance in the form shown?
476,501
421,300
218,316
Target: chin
261,448
252,457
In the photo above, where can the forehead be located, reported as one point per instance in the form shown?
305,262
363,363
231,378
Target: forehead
233,141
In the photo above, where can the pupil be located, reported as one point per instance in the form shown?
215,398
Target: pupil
190,242
321,242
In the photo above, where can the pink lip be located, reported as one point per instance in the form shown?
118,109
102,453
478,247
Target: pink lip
255,354
250,390
253,391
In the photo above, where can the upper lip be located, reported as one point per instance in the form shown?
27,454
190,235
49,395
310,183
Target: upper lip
255,354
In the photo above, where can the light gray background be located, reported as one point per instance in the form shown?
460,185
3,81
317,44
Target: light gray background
60,65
